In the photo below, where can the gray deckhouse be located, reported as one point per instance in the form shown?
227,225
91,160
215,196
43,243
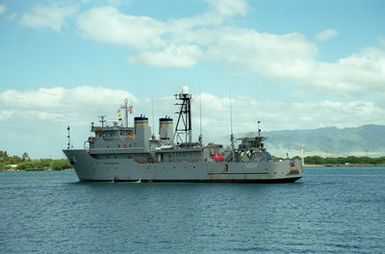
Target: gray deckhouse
122,142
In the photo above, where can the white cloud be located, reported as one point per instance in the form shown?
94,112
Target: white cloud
107,24
52,17
58,104
357,73
185,42
173,56
230,7
119,2
291,58
152,39
326,35
3,9
82,104
5,114
274,56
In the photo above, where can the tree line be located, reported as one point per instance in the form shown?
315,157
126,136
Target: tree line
24,162
355,160
5,158
318,160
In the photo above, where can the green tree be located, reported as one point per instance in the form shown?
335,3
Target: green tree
59,165
314,160
25,157
3,156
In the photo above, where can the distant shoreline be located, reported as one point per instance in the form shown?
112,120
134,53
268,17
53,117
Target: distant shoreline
24,163
17,164
306,165
342,165
22,170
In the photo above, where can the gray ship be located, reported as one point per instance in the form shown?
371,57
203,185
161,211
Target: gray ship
132,154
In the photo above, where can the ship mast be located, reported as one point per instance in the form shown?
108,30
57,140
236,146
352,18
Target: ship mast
231,125
153,118
68,137
127,109
200,118
102,121
259,130
183,125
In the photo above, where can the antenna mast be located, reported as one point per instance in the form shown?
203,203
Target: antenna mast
126,109
200,117
183,125
259,130
68,137
102,120
153,118
302,156
231,124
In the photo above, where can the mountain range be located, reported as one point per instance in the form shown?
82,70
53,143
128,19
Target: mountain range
330,141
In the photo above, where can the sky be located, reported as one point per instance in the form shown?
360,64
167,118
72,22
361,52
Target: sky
292,64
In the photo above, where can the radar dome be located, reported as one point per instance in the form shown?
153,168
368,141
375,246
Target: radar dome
185,90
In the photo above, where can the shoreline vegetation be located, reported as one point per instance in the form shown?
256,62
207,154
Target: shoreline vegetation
38,165
24,163
348,161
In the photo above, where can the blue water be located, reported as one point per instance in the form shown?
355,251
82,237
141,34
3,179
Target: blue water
331,210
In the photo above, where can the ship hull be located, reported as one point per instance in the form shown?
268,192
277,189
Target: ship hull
283,180
88,168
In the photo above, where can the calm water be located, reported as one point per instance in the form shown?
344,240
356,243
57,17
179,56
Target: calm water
332,210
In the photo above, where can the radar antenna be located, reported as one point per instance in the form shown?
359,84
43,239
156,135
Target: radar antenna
183,125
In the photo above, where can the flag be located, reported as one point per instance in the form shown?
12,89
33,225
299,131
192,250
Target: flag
120,115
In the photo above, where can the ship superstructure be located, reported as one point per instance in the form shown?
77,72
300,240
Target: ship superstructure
123,153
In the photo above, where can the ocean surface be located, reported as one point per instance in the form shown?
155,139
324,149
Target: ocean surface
331,210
